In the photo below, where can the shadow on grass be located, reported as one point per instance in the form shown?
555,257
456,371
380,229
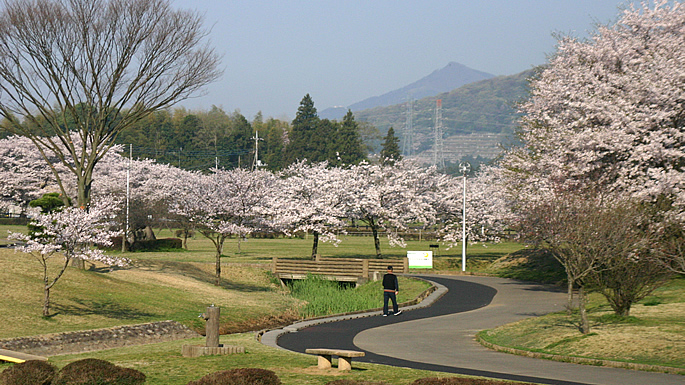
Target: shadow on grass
198,274
109,309
530,265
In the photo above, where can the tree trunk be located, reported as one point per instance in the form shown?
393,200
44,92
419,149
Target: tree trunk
78,263
84,181
46,301
376,241
569,295
124,246
149,233
315,246
219,252
582,301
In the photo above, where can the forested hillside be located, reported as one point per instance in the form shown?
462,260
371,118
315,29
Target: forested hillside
205,139
483,111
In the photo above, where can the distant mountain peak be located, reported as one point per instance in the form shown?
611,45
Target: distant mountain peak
453,75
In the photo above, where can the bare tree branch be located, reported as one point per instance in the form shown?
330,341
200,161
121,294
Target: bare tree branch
84,70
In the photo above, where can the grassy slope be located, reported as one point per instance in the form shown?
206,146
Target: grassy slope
178,285
100,298
654,334
171,285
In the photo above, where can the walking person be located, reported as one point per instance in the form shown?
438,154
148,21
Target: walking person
390,290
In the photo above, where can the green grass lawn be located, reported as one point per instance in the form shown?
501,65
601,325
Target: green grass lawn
263,250
178,285
654,334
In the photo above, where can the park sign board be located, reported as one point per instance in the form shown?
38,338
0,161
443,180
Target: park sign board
420,259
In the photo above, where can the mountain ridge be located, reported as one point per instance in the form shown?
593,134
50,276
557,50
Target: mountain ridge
453,75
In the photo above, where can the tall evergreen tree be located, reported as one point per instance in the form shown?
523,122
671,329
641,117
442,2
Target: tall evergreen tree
303,133
391,148
349,147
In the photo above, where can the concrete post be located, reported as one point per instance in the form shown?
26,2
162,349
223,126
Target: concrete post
212,326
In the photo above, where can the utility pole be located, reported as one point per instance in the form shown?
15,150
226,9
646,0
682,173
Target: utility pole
438,154
256,162
464,167
408,132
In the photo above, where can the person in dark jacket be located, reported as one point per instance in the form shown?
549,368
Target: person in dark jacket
390,290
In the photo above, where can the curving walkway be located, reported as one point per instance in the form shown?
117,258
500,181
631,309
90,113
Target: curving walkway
441,337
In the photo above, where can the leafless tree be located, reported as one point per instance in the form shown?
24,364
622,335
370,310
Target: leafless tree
75,73
605,245
627,271
560,225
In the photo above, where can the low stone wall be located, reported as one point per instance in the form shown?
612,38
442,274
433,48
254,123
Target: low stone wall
98,339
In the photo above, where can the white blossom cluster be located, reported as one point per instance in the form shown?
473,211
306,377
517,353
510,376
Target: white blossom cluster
72,232
609,113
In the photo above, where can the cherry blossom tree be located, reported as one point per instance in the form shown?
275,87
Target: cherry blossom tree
389,197
604,122
224,203
312,198
487,208
148,183
70,233
609,111
24,174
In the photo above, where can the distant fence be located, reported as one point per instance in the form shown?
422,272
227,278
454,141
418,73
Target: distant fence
338,269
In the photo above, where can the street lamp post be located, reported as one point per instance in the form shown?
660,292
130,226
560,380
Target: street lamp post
464,167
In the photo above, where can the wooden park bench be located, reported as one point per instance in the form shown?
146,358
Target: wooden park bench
344,357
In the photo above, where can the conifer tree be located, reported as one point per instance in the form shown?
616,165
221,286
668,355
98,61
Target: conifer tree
349,148
391,148
304,128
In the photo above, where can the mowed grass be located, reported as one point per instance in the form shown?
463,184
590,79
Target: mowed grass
90,299
653,334
263,250
175,285
179,285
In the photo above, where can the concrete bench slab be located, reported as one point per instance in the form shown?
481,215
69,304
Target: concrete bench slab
344,357
18,357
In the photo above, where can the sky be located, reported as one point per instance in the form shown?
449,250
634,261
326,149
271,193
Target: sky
274,52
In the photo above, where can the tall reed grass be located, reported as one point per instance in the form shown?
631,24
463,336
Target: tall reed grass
324,297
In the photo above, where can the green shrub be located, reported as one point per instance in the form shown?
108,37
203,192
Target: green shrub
242,376
92,371
157,244
463,381
31,372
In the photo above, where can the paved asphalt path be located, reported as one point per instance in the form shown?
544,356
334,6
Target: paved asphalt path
439,335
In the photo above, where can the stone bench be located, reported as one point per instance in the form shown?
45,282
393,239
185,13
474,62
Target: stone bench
344,357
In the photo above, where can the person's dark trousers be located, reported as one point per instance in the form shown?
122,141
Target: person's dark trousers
386,296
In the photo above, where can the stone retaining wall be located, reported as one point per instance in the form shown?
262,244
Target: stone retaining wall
98,339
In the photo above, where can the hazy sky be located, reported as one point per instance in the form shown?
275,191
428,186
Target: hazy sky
341,52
